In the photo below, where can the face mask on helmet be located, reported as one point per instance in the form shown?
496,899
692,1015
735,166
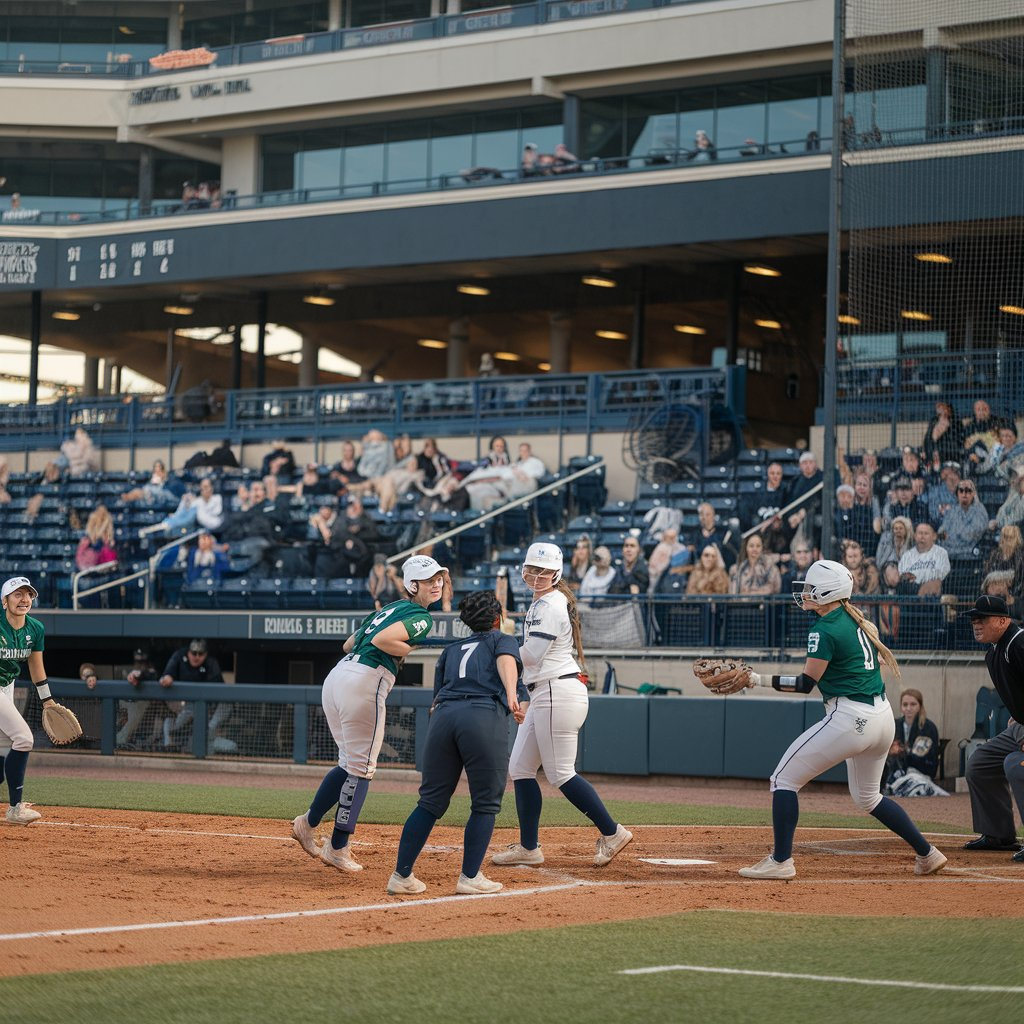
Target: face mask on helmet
826,581
543,556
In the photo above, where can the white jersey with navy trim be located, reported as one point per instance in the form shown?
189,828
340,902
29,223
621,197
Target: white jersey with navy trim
548,620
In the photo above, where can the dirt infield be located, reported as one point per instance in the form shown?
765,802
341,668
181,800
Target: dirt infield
146,888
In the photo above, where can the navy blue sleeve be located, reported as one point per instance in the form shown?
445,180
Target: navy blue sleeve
173,666
213,668
509,645
439,671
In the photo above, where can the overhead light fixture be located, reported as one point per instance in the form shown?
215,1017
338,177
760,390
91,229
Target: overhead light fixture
689,329
914,314
771,325
544,367
66,314
596,281
508,357
318,299
179,310
432,343
612,335
761,270
932,257
845,318
1015,310
472,289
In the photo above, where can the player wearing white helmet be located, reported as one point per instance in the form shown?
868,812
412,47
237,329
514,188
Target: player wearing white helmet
552,653
354,695
843,656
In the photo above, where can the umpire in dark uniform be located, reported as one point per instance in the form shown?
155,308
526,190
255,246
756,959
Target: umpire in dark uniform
996,769
476,688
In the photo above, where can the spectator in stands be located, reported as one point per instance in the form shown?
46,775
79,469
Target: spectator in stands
709,575
631,575
487,367
193,664
943,437
868,510
564,161
278,462
1006,562
599,577
845,495
432,464
892,546
912,466
80,455
206,560
1006,455
528,161
579,562
205,509
135,711
491,486
221,457
1012,510
865,575
805,521
703,148
351,545
941,497
669,558
377,459
755,572
321,526
981,432
312,486
903,503
383,583
161,489
395,482
762,509
803,557
710,531
965,523
497,452
97,546
916,743
924,566
255,527
346,470
5,476
995,584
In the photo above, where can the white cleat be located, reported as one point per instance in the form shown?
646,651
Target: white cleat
609,846
518,854
477,884
305,836
411,886
770,868
341,859
931,863
22,814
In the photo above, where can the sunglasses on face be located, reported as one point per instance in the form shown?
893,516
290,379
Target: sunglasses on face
965,490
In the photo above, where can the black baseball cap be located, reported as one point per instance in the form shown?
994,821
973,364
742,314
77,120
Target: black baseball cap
140,654
197,647
902,481
989,605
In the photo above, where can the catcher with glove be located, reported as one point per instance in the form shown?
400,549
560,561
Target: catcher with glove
22,640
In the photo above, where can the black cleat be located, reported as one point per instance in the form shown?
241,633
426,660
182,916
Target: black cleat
994,844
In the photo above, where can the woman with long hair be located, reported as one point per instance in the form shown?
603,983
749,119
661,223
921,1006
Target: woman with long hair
1006,562
916,743
894,543
755,573
554,676
97,546
580,561
709,575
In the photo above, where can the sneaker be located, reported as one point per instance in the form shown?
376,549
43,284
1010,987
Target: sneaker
399,886
932,862
478,883
341,859
518,854
303,834
770,868
22,814
609,846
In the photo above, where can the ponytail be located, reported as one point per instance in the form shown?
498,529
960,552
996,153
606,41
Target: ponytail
871,632
574,621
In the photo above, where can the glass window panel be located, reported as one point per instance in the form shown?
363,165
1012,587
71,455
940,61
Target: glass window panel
248,28
696,113
826,115
482,5
171,173
793,114
318,165
651,123
28,176
77,178
543,127
279,164
451,147
34,39
925,341
363,159
889,103
741,118
294,21
864,348
141,31
497,140
86,30
377,12
601,128
406,153
120,179
207,32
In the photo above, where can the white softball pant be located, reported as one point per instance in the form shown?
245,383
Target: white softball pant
353,699
859,734
14,731
549,735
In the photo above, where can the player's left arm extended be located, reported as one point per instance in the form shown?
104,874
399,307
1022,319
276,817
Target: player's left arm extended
393,640
37,673
814,669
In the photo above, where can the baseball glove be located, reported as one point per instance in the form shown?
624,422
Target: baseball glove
722,675
61,724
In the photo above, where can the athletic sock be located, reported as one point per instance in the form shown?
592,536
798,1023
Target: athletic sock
414,837
528,805
479,829
894,818
327,795
582,795
785,814
350,803
14,769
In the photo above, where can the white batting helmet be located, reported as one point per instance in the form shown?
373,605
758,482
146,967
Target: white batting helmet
419,567
825,581
543,555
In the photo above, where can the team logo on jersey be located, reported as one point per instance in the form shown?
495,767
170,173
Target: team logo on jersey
418,627
858,724
813,640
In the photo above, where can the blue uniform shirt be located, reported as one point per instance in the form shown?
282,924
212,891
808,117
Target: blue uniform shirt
469,668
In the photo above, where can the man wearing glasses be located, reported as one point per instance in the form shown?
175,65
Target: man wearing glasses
965,523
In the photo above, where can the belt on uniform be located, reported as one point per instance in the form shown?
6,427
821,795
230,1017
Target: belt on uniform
863,698
361,661
568,675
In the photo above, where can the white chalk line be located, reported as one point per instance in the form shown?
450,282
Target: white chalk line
828,979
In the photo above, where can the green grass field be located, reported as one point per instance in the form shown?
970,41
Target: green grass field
566,975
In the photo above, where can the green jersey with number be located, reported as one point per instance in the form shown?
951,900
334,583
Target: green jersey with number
16,645
414,617
852,658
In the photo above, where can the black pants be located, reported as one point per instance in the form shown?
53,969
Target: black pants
995,773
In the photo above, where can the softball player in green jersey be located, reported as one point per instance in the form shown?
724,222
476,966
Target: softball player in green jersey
354,695
843,656
21,640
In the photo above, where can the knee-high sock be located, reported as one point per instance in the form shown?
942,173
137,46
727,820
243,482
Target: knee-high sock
14,769
582,795
785,814
528,805
327,795
350,803
894,818
414,837
479,829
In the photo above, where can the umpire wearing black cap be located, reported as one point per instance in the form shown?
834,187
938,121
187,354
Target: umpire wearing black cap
996,769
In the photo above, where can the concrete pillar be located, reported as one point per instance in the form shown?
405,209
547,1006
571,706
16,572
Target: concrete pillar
560,336
309,375
108,376
36,341
91,376
454,7
334,15
174,26
458,345
146,180
240,165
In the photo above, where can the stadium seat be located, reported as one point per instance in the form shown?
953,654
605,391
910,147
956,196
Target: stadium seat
234,593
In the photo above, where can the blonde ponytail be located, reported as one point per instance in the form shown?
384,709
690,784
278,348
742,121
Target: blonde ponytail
871,632
574,621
